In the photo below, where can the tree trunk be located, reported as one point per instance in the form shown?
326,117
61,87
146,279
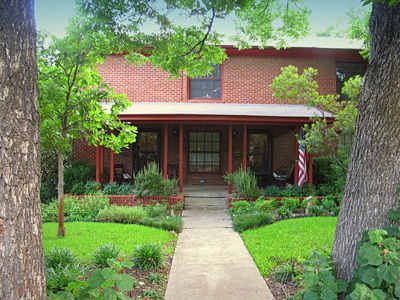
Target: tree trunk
61,228
374,171
21,249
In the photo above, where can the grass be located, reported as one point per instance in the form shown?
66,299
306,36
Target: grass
289,239
83,238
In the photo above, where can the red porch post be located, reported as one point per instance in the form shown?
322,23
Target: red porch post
101,164
111,165
244,163
230,156
180,158
310,170
296,161
97,163
165,151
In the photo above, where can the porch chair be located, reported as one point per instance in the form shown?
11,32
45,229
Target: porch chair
121,175
283,177
173,171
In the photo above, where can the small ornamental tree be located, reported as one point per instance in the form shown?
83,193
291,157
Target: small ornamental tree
71,93
321,137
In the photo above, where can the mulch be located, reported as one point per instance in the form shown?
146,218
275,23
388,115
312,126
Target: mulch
283,290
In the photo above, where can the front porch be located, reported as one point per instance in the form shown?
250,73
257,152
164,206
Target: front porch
199,154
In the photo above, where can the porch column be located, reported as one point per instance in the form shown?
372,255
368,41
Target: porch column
97,160
111,165
165,151
230,156
309,169
244,163
180,158
296,160
101,162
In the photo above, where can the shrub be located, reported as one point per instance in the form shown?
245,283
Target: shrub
149,182
157,210
59,258
241,207
319,278
266,205
155,278
178,206
104,253
148,257
84,209
113,188
287,272
272,191
77,172
170,223
92,187
57,279
253,220
284,212
121,214
246,184
78,188
292,204
49,211
329,204
378,265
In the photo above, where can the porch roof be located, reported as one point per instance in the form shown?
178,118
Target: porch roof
220,109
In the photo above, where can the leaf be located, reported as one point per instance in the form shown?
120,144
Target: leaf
378,295
108,273
375,235
391,244
371,254
371,278
308,295
341,286
96,279
388,273
125,283
394,215
328,294
397,290
110,294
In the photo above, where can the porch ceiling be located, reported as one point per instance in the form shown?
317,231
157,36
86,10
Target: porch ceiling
220,109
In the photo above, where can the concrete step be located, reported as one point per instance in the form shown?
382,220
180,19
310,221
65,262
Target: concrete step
205,201
206,194
205,207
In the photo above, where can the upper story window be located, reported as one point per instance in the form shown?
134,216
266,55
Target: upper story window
345,70
206,87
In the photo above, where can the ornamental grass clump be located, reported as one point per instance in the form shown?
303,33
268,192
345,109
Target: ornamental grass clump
148,257
122,214
252,220
245,183
104,253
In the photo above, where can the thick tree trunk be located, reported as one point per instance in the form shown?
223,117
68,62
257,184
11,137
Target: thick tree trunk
61,228
374,171
21,250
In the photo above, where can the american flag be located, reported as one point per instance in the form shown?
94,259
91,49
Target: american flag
302,160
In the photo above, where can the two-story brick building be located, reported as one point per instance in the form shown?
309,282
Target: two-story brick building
198,129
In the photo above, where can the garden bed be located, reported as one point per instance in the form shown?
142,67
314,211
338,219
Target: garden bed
230,199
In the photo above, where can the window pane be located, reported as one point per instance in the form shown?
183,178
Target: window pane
215,146
192,136
200,136
216,136
208,136
207,146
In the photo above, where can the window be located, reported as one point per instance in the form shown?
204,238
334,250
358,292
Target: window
204,152
346,70
206,87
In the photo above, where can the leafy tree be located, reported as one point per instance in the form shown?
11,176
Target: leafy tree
71,94
322,136
21,249
358,29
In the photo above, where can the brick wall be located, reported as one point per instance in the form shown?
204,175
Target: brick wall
245,79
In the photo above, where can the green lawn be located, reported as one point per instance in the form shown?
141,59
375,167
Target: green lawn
288,239
83,238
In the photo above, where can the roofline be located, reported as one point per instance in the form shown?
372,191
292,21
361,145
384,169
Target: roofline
342,55
217,119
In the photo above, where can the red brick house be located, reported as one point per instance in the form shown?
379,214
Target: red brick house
198,129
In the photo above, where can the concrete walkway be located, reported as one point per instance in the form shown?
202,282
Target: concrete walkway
211,262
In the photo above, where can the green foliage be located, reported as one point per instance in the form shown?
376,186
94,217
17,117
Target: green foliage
92,188
78,188
149,182
178,207
152,294
148,257
272,191
377,275
49,211
284,212
48,172
155,278
359,30
104,253
157,210
319,278
114,188
245,184
59,258
292,204
252,220
57,279
266,205
241,207
77,172
288,240
122,214
287,272
170,223
328,176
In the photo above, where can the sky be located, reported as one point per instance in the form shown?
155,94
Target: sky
53,15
